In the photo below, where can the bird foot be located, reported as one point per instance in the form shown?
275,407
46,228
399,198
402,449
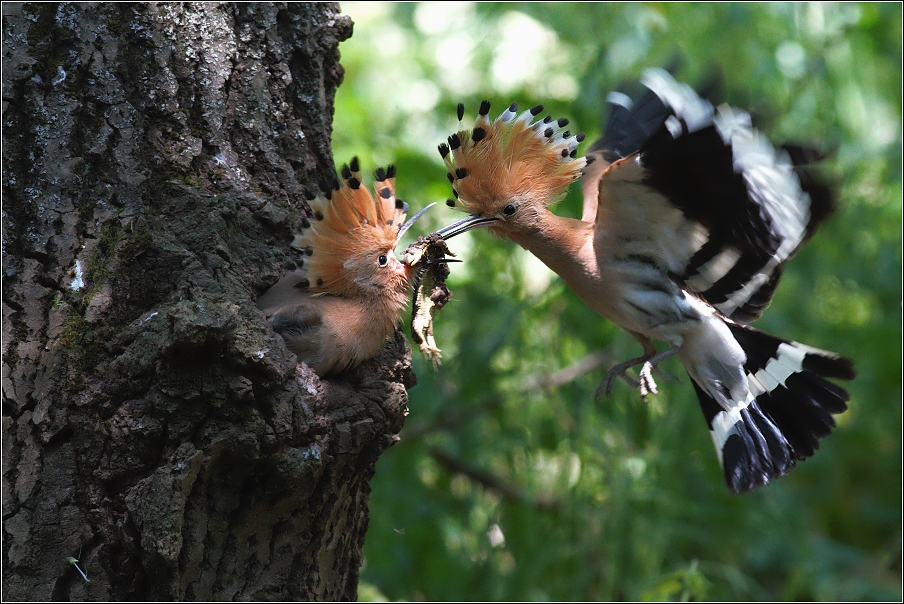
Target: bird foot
646,384
616,372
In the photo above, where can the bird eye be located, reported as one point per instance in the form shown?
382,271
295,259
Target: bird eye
383,260
509,209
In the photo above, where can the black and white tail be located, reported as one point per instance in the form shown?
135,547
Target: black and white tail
761,431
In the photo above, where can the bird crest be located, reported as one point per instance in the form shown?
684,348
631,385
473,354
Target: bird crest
352,235
511,158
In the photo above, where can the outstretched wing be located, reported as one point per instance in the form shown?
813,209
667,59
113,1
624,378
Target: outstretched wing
704,195
630,125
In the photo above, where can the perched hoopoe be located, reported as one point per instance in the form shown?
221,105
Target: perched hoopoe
346,299
689,217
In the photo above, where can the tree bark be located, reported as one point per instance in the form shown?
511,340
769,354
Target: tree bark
155,428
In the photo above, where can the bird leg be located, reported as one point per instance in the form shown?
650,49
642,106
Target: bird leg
647,385
649,351
619,371
649,360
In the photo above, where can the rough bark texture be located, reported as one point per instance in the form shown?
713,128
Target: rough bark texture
154,426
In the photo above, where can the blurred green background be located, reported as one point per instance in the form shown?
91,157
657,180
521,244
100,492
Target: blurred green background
510,482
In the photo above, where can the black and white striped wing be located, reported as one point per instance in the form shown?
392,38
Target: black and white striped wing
751,206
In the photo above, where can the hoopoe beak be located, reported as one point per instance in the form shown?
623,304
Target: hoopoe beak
412,220
465,224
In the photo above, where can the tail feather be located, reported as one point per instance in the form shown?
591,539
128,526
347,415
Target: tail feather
761,431
803,415
751,447
830,366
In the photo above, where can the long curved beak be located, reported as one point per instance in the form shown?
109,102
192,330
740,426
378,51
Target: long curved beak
465,224
412,220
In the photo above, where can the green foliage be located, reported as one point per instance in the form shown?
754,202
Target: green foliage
511,482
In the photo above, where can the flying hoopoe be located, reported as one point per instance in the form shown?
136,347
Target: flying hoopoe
689,218
338,309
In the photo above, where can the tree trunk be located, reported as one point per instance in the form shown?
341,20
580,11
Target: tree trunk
155,428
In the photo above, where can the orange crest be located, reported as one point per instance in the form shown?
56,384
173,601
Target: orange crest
351,230
511,158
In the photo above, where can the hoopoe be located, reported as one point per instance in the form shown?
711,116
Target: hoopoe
689,217
339,307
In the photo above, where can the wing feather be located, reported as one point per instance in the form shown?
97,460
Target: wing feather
683,169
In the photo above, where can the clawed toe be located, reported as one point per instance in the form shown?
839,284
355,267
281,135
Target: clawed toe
646,383
617,372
